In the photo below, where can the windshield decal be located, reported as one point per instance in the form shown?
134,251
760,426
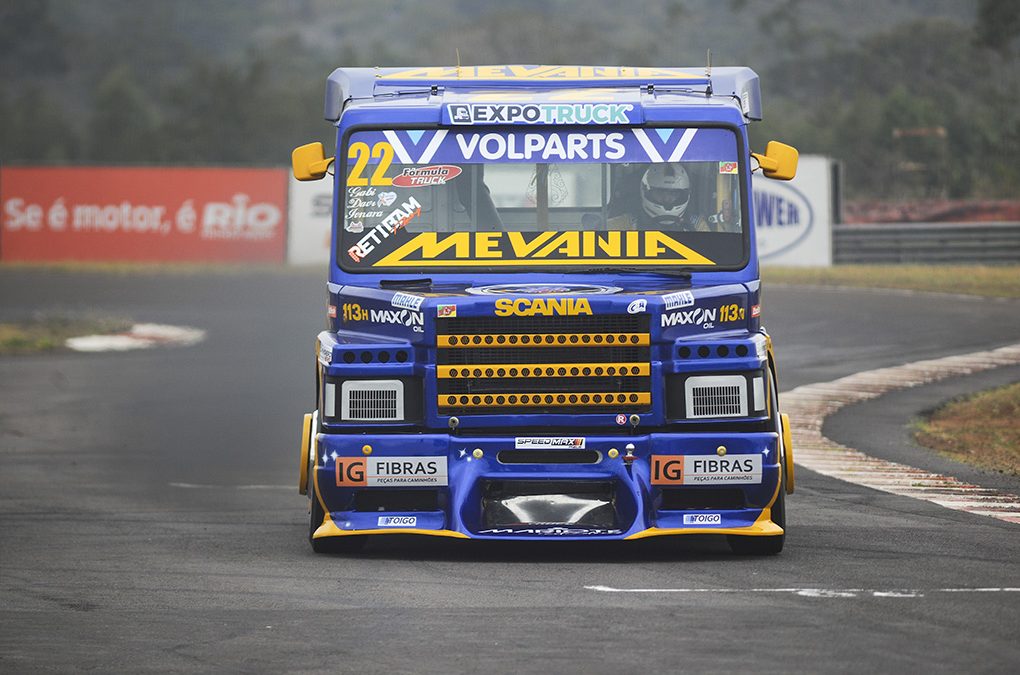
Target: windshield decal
542,145
507,249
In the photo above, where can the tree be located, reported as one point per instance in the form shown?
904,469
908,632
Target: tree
123,122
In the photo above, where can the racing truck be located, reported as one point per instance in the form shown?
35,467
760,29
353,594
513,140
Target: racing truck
544,309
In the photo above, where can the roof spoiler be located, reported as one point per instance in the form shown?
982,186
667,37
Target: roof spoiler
345,84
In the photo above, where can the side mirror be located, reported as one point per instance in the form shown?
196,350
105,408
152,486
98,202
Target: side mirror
779,161
309,162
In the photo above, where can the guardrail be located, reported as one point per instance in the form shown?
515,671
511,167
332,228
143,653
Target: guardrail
986,243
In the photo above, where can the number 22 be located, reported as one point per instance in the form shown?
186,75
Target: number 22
360,153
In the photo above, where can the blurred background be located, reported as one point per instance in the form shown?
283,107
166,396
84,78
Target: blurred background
916,102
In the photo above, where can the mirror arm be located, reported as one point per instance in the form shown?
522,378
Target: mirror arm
765,163
322,167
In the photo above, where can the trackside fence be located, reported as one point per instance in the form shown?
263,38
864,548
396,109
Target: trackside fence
981,243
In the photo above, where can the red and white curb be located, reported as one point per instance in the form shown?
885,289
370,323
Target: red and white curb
809,405
141,336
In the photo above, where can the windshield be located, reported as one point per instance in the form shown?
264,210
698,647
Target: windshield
532,199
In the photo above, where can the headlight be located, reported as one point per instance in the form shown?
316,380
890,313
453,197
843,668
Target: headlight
715,395
350,400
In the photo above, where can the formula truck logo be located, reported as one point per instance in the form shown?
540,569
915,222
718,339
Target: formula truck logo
426,176
540,113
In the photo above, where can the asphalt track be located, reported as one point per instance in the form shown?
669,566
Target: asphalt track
149,519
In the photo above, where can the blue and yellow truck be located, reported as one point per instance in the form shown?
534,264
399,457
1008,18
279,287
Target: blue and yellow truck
544,309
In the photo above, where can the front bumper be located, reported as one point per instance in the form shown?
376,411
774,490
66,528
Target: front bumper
484,488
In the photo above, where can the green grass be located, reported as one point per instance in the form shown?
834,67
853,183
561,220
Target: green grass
983,429
49,333
179,269
998,282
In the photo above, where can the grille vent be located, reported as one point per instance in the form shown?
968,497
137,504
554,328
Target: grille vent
371,401
716,396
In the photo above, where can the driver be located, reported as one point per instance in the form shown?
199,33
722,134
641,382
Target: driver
665,197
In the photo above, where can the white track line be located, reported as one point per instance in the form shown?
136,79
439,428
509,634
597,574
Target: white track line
809,405
200,486
141,336
812,592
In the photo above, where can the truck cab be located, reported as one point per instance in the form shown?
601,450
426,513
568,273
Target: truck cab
543,315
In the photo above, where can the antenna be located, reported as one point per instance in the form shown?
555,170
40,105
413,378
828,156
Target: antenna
708,71
457,49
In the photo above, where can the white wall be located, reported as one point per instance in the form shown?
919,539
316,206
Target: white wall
794,218
310,209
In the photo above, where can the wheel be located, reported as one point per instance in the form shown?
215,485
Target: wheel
745,545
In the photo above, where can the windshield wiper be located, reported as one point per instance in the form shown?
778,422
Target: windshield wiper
679,274
423,282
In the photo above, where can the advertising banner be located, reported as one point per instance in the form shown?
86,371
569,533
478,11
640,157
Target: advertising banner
793,219
142,214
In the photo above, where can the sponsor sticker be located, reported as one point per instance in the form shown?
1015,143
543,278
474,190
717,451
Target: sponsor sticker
402,300
678,300
331,311
446,311
390,471
755,311
621,419
426,176
543,307
387,198
397,219
540,113
397,521
353,312
637,307
705,469
702,519
699,316
727,167
539,443
325,354
731,313
504,249
354,226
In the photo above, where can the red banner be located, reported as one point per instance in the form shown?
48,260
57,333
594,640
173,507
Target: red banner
142,214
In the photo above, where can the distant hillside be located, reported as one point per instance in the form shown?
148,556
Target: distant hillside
226,81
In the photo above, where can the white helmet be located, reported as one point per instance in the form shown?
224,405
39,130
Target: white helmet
665,191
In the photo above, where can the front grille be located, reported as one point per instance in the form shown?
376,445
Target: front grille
544,364
548,457
699,499
609,323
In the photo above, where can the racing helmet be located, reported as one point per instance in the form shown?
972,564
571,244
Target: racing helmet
665,191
